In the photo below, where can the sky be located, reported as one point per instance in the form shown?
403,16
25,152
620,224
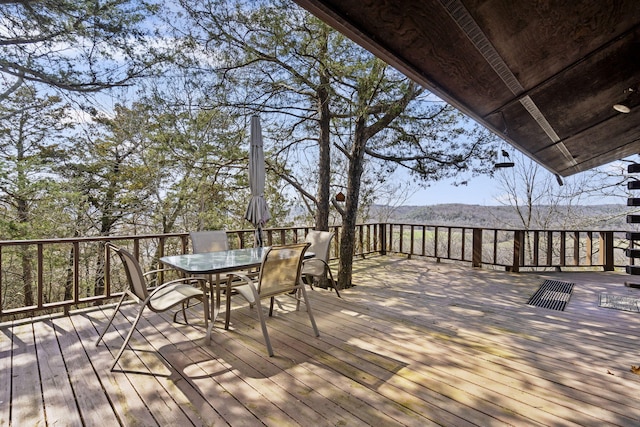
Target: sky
487,191
479,191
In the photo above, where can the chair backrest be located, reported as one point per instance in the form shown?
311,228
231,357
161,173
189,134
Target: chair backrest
209,241
320,243
135,275
280,269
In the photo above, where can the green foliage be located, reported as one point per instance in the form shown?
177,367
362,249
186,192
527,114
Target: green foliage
81,46
31,144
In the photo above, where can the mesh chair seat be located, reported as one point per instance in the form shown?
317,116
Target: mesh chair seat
169,296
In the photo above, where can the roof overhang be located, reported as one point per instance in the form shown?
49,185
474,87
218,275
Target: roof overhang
544,76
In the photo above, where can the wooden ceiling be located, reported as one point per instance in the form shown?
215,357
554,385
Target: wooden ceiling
543,75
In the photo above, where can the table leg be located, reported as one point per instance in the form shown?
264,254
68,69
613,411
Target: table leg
215,305
227,314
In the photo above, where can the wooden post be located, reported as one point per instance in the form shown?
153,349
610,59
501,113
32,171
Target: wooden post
435,244
606,250
589,248
411,243
476,258
383,239
517,248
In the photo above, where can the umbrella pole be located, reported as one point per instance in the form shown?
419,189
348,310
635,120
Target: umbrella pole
258,236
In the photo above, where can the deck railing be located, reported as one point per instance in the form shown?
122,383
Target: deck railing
52,275
511,249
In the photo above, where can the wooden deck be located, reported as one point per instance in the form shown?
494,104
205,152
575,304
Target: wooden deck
414,343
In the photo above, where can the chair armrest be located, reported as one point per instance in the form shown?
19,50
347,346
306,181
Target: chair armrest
158,271
243,284
151,282
239,278
185,280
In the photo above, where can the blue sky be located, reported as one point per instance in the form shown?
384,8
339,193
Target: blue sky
479,191
487,191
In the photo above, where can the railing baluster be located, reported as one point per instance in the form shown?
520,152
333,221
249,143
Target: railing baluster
40,276
76,272
463,244
495,246
563,248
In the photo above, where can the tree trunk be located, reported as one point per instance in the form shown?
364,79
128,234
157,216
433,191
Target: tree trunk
324,142
349,218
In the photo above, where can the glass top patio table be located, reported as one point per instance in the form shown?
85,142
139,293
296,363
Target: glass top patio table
216,262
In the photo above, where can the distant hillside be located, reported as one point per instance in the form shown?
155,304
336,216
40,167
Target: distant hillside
596,217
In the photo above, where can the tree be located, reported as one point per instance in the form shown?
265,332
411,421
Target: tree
107,173
337,99
29,149
78,46
198,156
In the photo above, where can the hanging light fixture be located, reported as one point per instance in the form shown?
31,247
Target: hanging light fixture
625,106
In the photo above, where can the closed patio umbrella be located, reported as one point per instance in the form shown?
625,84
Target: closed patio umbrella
257,211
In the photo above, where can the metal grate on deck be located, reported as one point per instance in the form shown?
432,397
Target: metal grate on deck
552,294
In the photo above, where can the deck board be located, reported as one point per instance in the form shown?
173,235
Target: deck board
26,396
57,392
6,344
126,402
414,343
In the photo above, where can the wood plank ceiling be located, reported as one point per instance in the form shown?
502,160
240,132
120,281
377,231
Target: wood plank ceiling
543,75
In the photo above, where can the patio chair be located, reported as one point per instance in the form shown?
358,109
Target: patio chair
280,274
209,241
318,267
157,299
212,241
